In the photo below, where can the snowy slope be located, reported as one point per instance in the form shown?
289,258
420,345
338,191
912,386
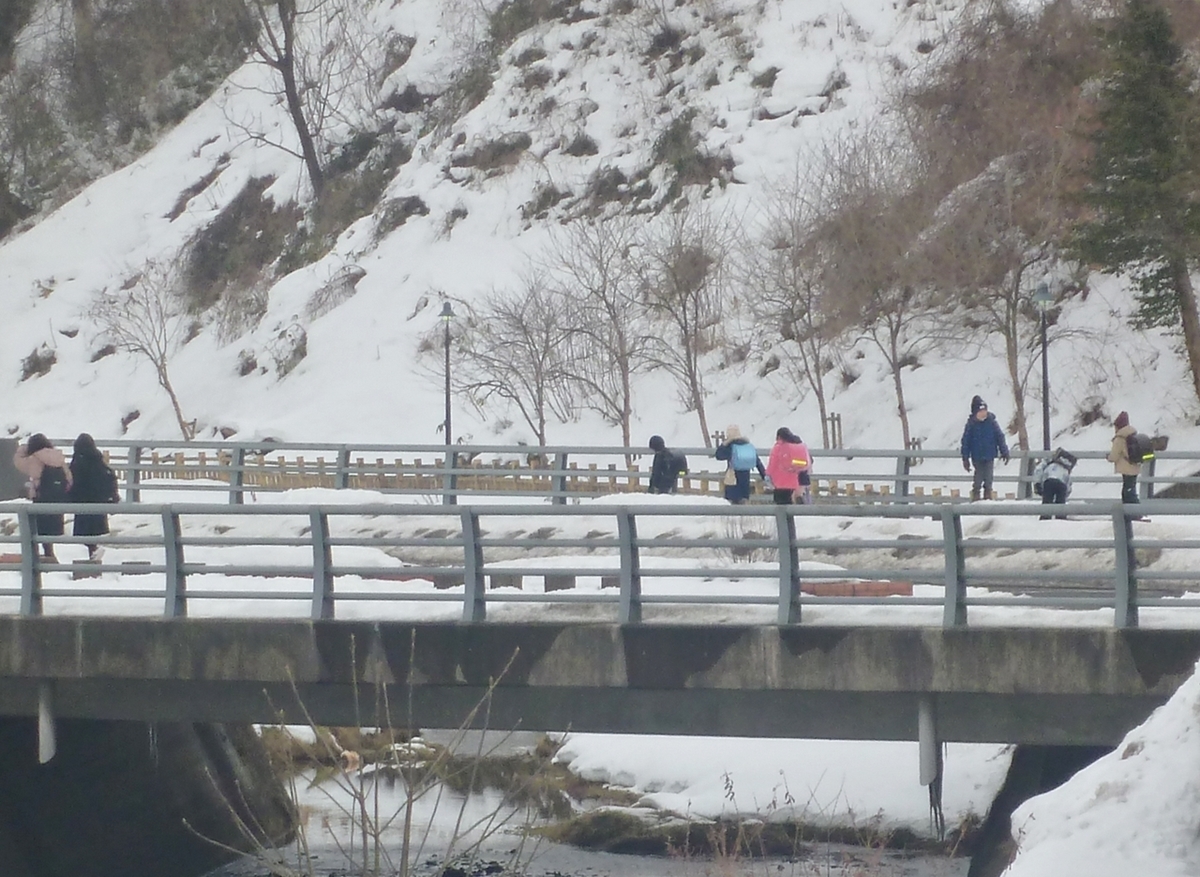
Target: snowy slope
362,380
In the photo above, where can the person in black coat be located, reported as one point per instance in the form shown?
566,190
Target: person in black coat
91,481
666,467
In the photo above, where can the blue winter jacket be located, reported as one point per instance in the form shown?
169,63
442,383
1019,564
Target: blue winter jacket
983,439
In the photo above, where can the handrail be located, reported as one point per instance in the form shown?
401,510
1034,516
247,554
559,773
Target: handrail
565,473
428,553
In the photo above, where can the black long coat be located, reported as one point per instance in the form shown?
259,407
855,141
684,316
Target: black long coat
92,481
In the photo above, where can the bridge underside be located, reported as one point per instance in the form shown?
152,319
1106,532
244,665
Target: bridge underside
1029,685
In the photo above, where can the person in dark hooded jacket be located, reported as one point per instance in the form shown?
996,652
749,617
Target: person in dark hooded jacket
982,442
91,481
666,467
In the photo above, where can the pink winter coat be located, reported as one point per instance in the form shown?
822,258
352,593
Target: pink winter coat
33,464
787,461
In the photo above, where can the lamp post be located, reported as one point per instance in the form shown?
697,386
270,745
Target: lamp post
447,315
1043,299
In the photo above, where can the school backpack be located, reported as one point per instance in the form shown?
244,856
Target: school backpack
1139,447
52,486
743,456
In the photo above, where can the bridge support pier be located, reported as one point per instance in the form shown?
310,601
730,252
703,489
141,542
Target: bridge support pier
930,760
134,799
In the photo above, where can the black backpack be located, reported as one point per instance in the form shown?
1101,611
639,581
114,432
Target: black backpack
678,464
1139,447
52,486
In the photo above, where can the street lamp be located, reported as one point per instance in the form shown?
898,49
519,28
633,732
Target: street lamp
447,315
1043,299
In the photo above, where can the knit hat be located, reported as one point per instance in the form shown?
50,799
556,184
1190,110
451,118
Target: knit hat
657,443
732,432
977,403
1122,420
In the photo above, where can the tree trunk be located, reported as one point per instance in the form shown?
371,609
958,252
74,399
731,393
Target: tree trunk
1189,319
291,91
1012,360
188,430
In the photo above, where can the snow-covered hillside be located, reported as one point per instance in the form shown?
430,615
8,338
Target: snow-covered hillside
833,63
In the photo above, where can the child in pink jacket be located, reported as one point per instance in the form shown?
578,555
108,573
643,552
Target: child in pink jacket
789,468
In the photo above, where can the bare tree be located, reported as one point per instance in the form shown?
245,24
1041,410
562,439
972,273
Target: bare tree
589,263
683,267
513,348
327,63
145,317
784,268
992,242
868,234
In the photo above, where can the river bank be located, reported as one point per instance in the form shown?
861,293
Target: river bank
699,806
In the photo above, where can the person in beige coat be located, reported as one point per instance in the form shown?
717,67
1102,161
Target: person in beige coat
33,459
1119,457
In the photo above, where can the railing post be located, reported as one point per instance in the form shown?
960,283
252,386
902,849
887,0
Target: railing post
474,603
322,602
903,470
450,480
237,473
954,612
1125,612
1146,484
789,568
631,569
133,475
342,478
176,582
31,568
559,482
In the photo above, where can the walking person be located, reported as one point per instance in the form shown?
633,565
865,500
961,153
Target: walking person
787,467
92,481
666,468
982,441
1052,479
1118,455
49,481
742,458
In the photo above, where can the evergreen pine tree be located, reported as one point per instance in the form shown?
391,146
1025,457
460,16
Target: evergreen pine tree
1142,179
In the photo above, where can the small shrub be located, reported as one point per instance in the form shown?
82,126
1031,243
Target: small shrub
544,198
529,56
289,348
537,78
394,212
128,419
504,151
38,363
666,40
582,145
514,17
339,289
766,79
247,362
848,376
106,350
238,312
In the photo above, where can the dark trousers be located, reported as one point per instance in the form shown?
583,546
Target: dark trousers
1054,492
1129,489
981,484
782,495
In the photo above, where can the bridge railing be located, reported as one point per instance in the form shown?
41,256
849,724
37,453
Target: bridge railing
330,561
231,470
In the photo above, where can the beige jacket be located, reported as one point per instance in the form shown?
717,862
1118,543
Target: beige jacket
1119,455
33,464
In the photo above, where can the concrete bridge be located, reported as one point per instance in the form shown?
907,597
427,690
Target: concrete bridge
1036,685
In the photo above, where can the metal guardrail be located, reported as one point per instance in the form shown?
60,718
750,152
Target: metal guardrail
931,548
566,473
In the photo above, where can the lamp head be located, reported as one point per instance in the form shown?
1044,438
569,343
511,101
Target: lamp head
447,313
1042,297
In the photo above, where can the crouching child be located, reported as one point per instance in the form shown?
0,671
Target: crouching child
1052,479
